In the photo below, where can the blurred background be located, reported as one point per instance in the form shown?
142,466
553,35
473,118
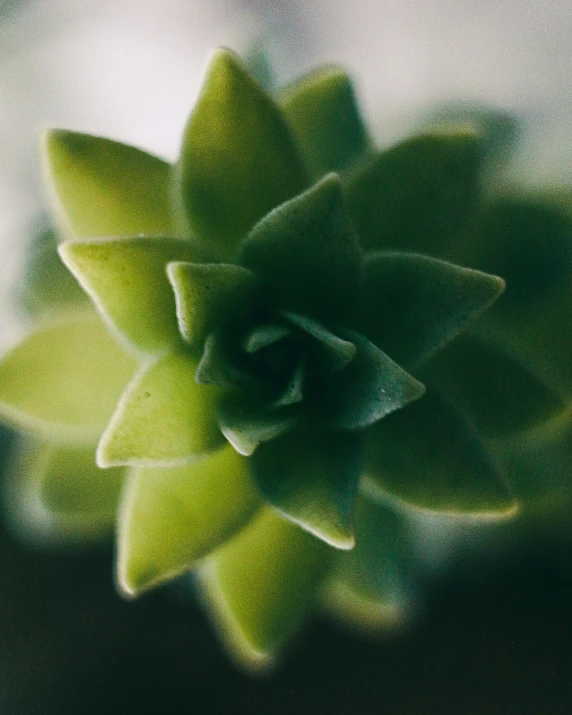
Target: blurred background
495,637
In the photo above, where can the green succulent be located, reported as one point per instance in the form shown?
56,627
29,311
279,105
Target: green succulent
281,359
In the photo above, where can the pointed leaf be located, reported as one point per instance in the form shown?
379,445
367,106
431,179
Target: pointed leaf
412,305
64,379
212,295
372,586
499,393
312,478
164,417
369,388
264,335
103,188
430,456
308,251
337,353
261,585
57,494
246,422
322,112
172,516
417,195
127,281
238,159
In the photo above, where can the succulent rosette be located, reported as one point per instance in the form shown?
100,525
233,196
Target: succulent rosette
272,368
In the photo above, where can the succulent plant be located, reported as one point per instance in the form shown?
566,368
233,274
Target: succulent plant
279,360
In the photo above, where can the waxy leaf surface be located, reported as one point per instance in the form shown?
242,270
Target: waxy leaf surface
164,417
172,516
238,159
102,188
127,281
64,379
262,584
412,305
431,457
322,112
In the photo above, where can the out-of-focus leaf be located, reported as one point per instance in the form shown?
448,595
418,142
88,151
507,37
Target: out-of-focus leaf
238,159
102,188
172,516
411,304
322,112
163,418
261,585
64,379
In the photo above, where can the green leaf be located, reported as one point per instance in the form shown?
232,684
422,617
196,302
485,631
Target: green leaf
102,188
238,160
261,585
322,112
64,379
430,456
417,195
412,305
308,251
212,295
57,494
164,417
312,478
127,281
499,393
172,516
336,352
246,423
258,65
369,388
372,586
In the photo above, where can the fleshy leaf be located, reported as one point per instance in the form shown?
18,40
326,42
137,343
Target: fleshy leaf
431,457
337,352
322,112
411,305
369,388
261,585
499,393
172,516
100,187
372,586
238,159
312,478
246,424
64,379
210,295
308,251
417,195
56,493
264,335
126,279
163,418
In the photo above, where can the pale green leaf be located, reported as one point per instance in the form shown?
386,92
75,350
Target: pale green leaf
261,585
127,281
102,188
322,112
430,456
163,418
238,160
64,379
308,251
312,478
411,305
172,516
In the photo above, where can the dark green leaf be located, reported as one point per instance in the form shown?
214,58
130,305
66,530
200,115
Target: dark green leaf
337,353
322,112
411,305
308,251
498,392
312,478
417,195
103,188
238,158
431,457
